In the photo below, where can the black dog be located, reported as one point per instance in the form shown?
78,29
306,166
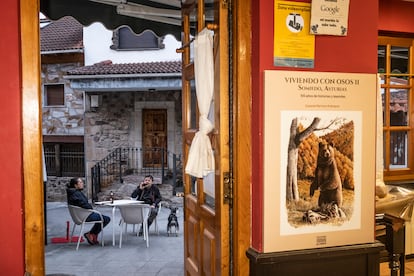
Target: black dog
172,226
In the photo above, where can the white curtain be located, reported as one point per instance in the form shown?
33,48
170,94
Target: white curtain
200,160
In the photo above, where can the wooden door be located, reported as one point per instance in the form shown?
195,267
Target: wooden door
154,137
206,223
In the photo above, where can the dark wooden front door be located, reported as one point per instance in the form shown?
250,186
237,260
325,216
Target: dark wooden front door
154,137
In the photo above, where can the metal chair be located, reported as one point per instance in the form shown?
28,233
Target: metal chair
134,214
79,216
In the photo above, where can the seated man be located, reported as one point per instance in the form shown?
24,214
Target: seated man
151,195
77,197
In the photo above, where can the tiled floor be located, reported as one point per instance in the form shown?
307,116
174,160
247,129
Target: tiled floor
409,268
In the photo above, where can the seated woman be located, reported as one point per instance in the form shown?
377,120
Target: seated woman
77,197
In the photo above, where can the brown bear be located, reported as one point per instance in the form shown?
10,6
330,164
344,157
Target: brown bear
327,178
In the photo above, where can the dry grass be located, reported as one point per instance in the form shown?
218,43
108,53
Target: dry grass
296,209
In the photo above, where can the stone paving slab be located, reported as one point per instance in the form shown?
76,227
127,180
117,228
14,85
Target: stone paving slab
165,256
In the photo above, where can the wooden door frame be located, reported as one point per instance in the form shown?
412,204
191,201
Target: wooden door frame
32,190
242,156
32,141
144,133
207,228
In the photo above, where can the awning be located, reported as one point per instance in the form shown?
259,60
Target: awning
161,16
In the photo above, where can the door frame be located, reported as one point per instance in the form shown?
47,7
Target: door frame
32,138
34,232
145,132
241,87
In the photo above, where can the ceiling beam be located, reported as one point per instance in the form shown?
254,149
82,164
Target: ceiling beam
110,2
173,3
155,18
168,16
147,10
172,17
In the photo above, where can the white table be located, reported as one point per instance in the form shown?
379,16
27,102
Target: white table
114,205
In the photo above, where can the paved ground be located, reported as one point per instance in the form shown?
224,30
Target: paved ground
164,256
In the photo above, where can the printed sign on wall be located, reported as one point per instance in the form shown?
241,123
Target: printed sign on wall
319,170
329,17
293,45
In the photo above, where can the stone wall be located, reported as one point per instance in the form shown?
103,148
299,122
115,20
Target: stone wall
66,119
117,122
56,188
107,126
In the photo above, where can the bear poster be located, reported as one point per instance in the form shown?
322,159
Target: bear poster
320,192
319,159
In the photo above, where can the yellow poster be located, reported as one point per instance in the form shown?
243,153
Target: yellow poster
293,45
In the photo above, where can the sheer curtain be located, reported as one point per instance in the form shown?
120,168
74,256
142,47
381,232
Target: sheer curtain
200,160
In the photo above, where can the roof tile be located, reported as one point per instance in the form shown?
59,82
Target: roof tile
62,35
108,68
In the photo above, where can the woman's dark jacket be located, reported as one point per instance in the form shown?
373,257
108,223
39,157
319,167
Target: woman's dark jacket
149,195
77,198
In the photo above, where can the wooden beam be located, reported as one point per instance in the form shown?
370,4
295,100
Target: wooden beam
32,139
241,78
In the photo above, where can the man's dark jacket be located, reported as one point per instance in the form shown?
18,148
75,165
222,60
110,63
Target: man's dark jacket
77,198
149,195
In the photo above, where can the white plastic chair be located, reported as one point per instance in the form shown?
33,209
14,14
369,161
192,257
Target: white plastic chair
155,222
134,214
79,216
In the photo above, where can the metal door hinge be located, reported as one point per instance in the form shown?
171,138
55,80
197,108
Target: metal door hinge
228,188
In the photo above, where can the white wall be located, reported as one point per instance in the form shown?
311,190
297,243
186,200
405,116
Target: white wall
97,40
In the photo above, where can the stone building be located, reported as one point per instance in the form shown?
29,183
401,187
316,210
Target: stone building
131,106
89,111
62,106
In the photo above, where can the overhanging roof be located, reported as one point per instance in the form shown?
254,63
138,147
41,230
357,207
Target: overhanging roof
161,16
106,76
115,83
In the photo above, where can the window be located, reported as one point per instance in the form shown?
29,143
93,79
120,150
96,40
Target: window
54,94
395,65
124,39
64,158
